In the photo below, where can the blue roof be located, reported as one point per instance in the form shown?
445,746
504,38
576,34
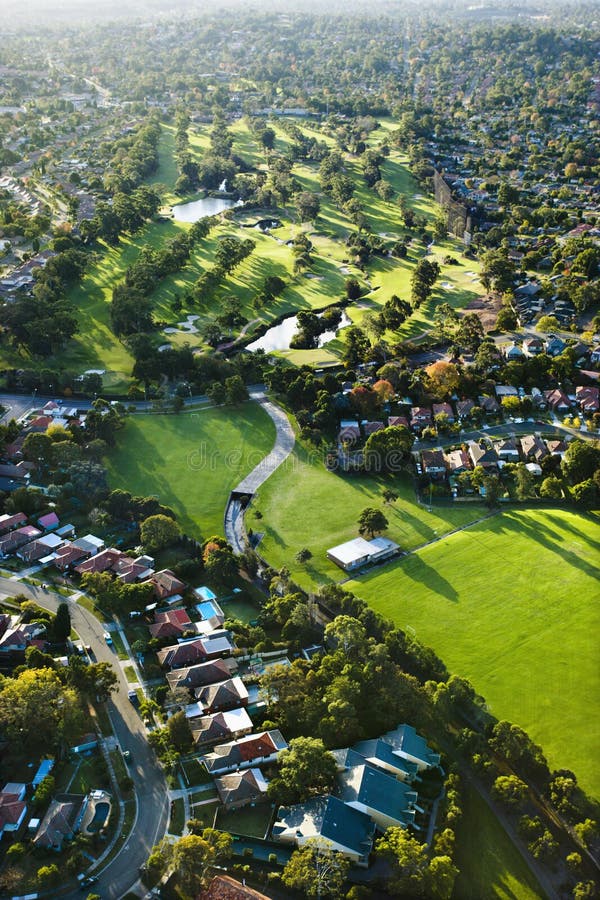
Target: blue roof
380,751
347,826
44,769
405,738
378,792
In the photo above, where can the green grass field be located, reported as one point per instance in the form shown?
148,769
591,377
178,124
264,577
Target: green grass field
513,604
491,868
305,505
191,461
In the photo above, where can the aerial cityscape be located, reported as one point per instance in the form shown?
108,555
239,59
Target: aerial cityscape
299,450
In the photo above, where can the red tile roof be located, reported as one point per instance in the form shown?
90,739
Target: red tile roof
222,887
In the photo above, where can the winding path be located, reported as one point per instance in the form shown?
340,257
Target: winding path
284,444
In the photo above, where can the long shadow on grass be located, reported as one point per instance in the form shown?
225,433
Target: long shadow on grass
563,555
418,570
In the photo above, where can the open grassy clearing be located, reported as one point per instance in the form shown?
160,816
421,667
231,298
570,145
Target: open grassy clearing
191,461
513,605
491,868
305,505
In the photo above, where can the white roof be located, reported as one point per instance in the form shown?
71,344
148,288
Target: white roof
51,540
379,544
92,539
352,550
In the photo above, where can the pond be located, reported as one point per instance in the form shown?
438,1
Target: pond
199,209
279,336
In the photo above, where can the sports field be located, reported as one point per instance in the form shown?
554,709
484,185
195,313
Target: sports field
191,461
304,505
513,604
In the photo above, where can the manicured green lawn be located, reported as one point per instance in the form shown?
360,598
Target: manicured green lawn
491,868
513,604
191,461
305,505
177,820
251,821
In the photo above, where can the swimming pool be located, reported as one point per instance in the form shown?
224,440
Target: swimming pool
207,609
98,821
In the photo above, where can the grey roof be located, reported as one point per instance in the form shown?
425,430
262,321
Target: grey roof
329,818
378,791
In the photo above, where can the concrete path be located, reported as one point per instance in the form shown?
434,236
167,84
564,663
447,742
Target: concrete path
284,444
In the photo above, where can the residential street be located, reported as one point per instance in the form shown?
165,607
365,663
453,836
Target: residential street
149,782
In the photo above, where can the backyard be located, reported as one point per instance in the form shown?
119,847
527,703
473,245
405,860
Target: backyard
191,461
512,605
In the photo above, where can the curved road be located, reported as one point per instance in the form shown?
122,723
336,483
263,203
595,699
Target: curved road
284,444
150,787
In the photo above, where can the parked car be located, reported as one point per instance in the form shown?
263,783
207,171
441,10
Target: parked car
108,638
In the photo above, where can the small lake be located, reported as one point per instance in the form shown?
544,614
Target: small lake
279,336
200,209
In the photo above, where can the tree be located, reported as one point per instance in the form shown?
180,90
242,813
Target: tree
497,272
180,731
221,565
61,627
551,488
388,450
306,769
158,532
510,790
193,854
316,871
348,634
581,460
38,712
48,876
442,379
235,390
408,860
308,206
352,288
441,876
389,495
43,792
303,555
371,521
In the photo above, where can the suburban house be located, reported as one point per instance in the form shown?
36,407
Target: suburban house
506,390
514,352
557,448
443,409
371,427
101,562
48,522
346,830
224,695
199,650
420,417
457,461
61,822
434,463
555,346
166,584
196,676
386,800
40,548
489,405
507,449
18,638
15,539
252,749
13,807
241,788
69,555
557,400
587,398
533,346
380,753
170,623
220,727
349,434
360,552
413,748
222,887
533,447
464,408
9,523
482,455
398,422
